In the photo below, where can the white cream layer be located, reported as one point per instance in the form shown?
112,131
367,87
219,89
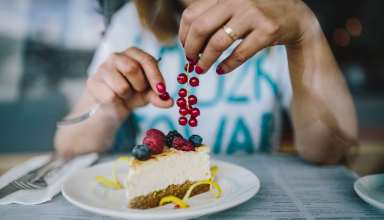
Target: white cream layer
175,168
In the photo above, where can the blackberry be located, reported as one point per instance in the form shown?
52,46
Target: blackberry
196,140
169,137
141,152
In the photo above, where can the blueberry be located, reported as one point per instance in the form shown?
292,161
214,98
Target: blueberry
141,152
196,140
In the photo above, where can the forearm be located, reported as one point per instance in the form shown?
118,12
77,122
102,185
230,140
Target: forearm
322,109
93,135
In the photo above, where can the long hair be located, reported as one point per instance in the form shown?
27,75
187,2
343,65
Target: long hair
161,17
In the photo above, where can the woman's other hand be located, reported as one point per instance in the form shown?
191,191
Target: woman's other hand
128,80
259,23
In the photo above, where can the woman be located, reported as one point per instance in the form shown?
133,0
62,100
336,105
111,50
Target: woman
241,103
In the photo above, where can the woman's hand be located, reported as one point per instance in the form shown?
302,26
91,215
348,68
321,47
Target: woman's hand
123,82
259,23
128,80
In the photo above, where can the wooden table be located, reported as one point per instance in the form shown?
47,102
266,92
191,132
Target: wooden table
370,158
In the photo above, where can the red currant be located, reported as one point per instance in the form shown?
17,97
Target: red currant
192,99
194,81
183,121
164,96
183,92
192,122
181,102
182,78
189,66
195,112
183,111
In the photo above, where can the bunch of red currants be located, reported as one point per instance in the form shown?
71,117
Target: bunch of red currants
187,102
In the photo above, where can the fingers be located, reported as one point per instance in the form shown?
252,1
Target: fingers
245,50
149,65
116,82
101,91
154,99
190,14
203,27
132,71
220,41
264,34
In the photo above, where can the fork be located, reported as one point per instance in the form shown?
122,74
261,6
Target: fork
79,118
34,179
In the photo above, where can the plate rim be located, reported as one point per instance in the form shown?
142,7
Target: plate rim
365,197
250,193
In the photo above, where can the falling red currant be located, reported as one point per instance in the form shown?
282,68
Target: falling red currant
182,78
195,112
183,120
194,81
183,111
192,122
181,102
182,92
192,99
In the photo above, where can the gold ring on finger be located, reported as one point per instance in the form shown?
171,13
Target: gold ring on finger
229,31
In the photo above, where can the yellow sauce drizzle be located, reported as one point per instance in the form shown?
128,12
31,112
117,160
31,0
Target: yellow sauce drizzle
173,199
214,188
113,183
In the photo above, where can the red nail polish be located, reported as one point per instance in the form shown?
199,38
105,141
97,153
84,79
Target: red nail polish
161,87
164,96
199,70
219,70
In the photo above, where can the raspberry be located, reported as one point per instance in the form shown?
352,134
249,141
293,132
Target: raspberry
178,142
196,140
155,144
155,132
188,146
141,152
170,136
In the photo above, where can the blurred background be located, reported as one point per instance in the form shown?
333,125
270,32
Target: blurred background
46,47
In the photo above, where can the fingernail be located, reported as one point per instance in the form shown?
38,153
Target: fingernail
191,61
161,87
199,70
220,70
164,96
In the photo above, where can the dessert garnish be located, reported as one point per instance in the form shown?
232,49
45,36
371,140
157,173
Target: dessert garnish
186,104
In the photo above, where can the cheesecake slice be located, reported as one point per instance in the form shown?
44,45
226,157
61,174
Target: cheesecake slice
171,172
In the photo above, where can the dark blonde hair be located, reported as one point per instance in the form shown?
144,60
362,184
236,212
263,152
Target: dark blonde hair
161,17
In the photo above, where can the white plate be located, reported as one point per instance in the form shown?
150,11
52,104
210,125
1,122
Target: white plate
238,185
371,189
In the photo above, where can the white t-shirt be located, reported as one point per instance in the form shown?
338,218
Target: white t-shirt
240,112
